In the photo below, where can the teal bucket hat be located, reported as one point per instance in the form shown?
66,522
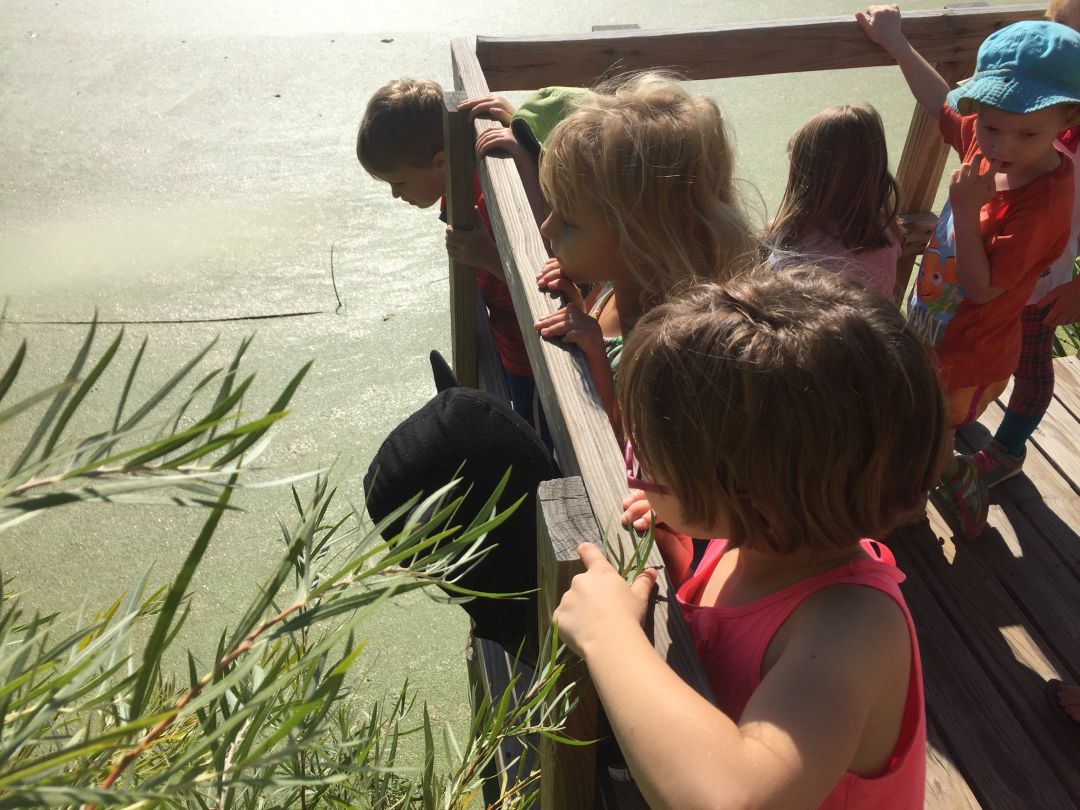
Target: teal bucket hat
1023,68
541,111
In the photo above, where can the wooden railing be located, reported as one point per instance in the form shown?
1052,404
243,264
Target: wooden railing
589,509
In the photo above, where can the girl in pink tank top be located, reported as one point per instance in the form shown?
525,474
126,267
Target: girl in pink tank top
793,415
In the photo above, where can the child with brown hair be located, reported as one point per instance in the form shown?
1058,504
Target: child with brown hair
839,207
639,177
400,143
1007,219
792,414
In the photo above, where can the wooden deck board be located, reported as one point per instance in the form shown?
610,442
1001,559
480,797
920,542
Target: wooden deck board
1067,390
996,617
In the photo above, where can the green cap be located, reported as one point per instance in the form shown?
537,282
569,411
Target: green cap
541,111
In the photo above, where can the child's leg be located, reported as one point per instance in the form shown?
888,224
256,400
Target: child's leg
961,496
1033,385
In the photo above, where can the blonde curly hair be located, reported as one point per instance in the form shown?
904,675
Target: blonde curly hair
656,164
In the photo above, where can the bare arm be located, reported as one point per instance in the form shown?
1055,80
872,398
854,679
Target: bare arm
502,139
969,191
881,24
799,732
1064,304
530,179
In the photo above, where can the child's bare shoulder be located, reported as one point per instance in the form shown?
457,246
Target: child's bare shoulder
852,621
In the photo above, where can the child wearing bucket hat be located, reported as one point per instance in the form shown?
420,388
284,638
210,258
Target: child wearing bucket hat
1055,301
1007,218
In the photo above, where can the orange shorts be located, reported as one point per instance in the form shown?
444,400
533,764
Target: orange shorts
965,405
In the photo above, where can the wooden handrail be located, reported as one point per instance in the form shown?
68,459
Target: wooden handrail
584,442
741,49
461,215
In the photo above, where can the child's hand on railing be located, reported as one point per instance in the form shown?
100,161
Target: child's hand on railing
494,107
881,24
501,139
574,326
551,278
600,607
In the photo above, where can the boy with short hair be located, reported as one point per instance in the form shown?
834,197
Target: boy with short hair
1007,219
400,142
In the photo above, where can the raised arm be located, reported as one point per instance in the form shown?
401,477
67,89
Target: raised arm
881,24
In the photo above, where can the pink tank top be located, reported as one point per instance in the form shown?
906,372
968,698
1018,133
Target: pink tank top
731,643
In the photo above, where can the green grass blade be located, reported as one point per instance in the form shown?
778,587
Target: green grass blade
167,388
33,400
128,381
58,400
155,644
230,373
80,394
12,370
277,408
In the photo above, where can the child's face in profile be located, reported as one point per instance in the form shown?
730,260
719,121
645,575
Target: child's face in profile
586,247
1018,141
422,186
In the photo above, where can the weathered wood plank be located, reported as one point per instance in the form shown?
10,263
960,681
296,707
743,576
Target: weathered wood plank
461,214
741,49
1067,385
565,519
1007,637
1045,497
1056,438
945,785
584,442
987,743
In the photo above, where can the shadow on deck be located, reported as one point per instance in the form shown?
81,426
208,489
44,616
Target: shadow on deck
998,616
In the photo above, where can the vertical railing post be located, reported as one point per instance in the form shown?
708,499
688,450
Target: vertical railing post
919,171
459,150
565,519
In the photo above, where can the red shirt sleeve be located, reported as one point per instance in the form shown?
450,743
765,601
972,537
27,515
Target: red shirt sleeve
958,131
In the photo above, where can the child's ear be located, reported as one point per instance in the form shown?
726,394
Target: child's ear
439,161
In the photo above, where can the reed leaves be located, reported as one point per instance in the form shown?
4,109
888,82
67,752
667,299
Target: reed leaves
90,716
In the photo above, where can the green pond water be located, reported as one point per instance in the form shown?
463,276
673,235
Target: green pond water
172,164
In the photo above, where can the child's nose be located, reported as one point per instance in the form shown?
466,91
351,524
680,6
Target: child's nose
547,227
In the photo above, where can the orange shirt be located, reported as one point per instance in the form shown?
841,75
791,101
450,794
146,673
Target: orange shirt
1023,231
